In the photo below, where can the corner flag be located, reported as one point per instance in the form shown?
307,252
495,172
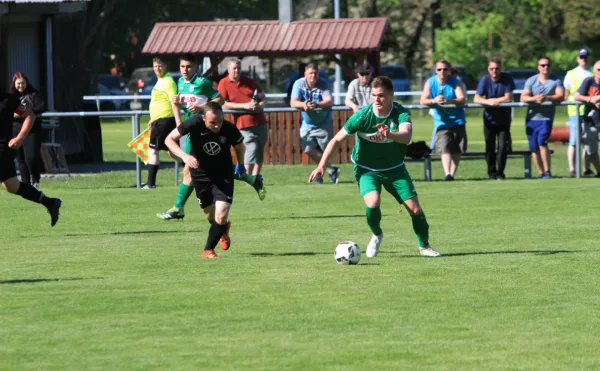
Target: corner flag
140,145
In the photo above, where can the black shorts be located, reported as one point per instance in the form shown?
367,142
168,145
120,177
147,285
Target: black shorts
7,163
213,188
161,128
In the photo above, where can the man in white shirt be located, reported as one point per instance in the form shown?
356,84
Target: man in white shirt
573,80
359,90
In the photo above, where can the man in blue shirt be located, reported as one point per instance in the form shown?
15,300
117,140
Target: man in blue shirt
538,123
493,89
312,96
450,132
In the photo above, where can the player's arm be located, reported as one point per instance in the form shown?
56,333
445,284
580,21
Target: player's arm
240,152
176,113
172,142
296,98
402,136
331,147
15,143
218,99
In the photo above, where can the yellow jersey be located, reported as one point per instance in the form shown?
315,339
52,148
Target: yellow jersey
160,101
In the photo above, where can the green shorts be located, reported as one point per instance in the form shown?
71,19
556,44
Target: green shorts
397,182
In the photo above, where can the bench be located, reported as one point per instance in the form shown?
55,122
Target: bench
525,154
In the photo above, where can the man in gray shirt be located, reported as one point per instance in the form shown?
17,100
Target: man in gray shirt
538,123
359,90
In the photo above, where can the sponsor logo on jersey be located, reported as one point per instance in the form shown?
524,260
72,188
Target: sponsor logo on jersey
375,137
211,148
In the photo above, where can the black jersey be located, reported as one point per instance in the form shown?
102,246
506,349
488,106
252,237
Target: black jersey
9,104
211,149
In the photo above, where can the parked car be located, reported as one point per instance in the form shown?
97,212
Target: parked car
521,75
111,85
399,76
142,83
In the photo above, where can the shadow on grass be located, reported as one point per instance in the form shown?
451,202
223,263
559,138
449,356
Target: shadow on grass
534,252
38,280
125,233
303,253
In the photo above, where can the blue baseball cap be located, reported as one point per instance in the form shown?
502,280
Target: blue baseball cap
583,53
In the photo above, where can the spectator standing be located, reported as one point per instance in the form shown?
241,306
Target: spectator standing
313,97
573,80
359,89
449,123
539,88
29,156
241,92
495,88
589,93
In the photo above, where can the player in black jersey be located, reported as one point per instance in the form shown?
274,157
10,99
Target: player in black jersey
210,161
10,105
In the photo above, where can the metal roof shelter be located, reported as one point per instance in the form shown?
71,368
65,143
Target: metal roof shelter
362,37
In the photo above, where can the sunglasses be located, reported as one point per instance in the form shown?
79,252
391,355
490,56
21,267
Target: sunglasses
494,68
583,57
545,65
441,69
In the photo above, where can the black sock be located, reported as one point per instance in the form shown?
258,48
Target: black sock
215,233
29,193
152,171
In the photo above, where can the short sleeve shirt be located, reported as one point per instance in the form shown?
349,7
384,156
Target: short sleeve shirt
160,101
212,150
9,105
533,84
446,117
359,94
589,87
489,88
197,90
372,151
242,92
318,93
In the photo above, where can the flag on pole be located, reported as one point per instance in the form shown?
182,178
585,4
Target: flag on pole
140,145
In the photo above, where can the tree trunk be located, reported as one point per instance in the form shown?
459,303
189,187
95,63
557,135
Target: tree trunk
371,9
414,42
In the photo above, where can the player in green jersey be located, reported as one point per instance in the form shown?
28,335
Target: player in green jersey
383,130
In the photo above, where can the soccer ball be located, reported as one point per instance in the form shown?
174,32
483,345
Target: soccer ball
347,252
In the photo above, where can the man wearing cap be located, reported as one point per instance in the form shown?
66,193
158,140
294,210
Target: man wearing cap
572,82
359,90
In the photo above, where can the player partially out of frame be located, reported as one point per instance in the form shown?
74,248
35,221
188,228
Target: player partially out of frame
383,130
210,163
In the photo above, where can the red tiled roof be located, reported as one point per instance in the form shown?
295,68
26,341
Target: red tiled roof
269,38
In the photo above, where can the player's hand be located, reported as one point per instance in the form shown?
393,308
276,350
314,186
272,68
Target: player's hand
149,124
492,102
240,170
309,106
191,161
197,108
316,173
15,143
384,130
252,105
539,99
176,99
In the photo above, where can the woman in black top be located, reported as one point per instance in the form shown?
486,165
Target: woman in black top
29,155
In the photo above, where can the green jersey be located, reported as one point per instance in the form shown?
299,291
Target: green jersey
197,90
372,151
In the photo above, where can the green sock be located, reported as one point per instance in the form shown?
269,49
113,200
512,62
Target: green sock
374,219
421,229
245,178
183,194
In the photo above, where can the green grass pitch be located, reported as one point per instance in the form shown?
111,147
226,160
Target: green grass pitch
112,287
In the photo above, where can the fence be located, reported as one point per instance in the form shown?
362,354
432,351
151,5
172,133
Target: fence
283,146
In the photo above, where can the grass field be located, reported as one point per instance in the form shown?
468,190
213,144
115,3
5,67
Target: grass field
111,287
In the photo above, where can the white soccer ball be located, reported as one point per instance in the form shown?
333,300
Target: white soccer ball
347,252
